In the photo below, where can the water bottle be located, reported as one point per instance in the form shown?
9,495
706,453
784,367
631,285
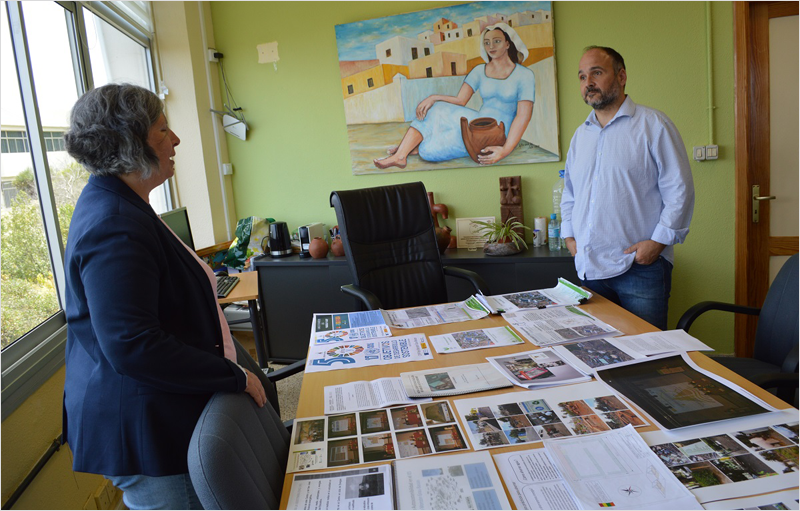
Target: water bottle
553,234
558,191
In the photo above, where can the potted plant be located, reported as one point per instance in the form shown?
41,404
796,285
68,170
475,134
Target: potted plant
502,238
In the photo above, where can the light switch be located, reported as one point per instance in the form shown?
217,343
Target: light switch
712,152
699,152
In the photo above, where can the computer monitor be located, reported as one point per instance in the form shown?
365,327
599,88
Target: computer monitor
178,221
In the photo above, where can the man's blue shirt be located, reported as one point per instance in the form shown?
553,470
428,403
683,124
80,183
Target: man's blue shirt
624,183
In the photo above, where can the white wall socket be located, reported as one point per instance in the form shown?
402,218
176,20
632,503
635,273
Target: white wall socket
211,57
227,169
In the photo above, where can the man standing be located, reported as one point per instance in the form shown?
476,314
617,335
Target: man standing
628,192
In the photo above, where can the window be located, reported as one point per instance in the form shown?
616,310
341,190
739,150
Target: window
469,32
427,51
414,53
388,52
51,53
370,83
510,23
349,89
429,72
453,68
15,142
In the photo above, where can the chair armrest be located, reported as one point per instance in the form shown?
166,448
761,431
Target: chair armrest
285,372
477,281
694,312
368,298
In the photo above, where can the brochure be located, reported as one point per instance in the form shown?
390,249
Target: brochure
378,435
367,395
537,369
455,312
475,339
748,456
451,381
779,500
588,355
461,481
677,393
392,350
545,327
565,293
524,417
348,326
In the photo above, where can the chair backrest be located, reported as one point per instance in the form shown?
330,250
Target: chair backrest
238,453
390,244
777,331
244,359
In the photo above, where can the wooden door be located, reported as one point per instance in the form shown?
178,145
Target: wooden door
756,243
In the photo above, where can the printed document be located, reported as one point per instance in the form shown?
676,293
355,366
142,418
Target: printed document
367,395
537,369
455,312
392,350
565,293
544,327
475,339
451,381
348,326
617,469
355,488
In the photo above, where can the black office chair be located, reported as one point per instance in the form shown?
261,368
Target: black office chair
775,358
390,245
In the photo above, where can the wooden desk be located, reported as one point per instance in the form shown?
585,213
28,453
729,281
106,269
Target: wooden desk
247,290
311,394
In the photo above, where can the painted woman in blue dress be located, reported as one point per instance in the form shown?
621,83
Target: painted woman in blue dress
507,89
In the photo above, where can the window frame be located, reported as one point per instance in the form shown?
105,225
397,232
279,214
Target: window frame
36,356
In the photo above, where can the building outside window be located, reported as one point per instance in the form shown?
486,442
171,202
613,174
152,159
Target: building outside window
69,47
370,82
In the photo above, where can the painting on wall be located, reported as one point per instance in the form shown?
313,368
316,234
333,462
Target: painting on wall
456,87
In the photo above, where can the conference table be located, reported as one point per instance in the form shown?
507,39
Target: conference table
311,403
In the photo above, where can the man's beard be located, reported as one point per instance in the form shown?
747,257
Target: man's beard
605,99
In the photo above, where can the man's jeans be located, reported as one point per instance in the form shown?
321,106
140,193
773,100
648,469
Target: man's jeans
642,290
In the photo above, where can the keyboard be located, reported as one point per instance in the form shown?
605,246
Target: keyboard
225,284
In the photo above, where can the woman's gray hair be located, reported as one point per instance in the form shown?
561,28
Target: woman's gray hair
109,127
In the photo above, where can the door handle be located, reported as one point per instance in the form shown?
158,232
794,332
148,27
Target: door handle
757,198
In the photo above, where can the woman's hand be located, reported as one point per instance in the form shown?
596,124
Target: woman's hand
491,154
424,106
255,389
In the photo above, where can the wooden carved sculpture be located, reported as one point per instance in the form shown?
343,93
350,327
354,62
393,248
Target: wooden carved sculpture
443,237
511,200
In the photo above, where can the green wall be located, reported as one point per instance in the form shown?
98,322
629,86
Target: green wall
297,148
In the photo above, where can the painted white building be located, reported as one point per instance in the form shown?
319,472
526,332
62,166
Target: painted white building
399,50
427,36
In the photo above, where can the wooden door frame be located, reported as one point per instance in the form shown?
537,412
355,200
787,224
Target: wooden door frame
751,72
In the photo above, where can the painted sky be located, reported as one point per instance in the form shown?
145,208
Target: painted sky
356,41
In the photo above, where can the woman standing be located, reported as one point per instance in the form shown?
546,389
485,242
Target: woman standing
508,92
147,344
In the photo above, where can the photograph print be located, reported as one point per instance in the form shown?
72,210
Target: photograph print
455,87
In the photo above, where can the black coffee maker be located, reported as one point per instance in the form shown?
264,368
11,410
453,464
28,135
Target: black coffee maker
280,243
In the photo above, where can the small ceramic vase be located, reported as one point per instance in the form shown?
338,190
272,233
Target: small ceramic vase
337,247
318,248
443,237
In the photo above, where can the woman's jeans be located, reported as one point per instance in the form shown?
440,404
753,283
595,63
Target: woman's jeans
165,492
642,290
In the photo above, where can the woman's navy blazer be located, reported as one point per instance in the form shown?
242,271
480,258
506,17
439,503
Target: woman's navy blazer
144,346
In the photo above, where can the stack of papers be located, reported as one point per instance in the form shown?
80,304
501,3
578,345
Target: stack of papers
545,327
537,369
565,293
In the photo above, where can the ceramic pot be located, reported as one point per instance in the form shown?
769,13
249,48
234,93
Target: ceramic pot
318,248
337,247
481,132
500,249
443,238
